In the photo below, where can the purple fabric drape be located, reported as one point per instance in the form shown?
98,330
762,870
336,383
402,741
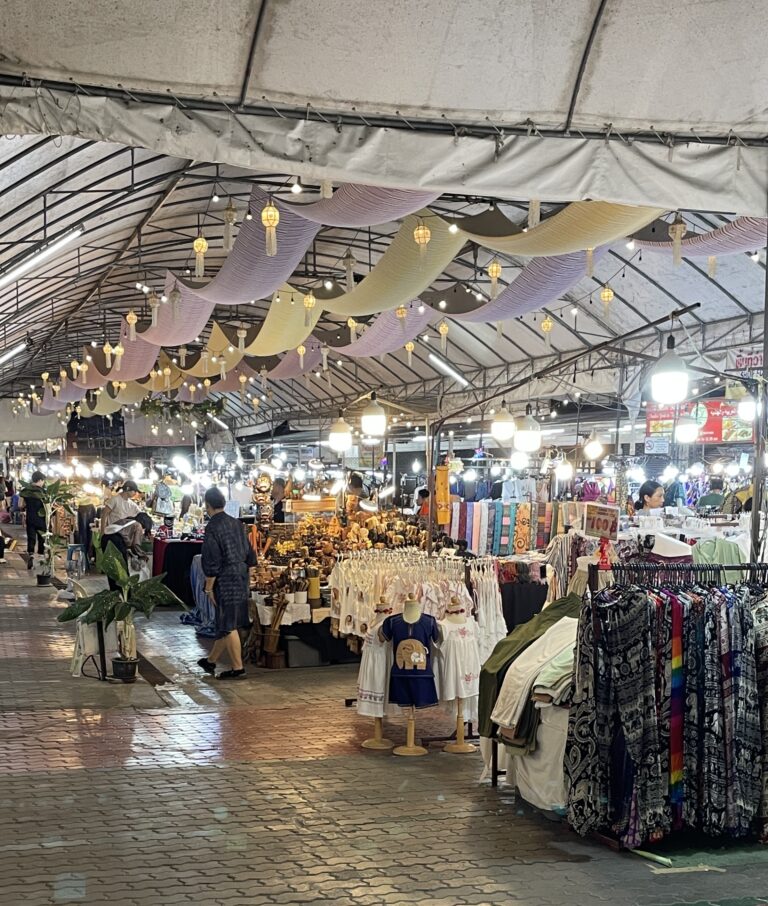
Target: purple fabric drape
387,333
289,367
744,234
362,206
541,282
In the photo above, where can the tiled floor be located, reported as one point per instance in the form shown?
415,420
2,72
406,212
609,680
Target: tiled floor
257,792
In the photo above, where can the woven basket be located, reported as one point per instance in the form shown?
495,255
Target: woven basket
271,639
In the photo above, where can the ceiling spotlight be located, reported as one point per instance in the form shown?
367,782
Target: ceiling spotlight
297,187
328,284
249,216
442,304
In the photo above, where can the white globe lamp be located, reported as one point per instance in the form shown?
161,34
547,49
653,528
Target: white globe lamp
527,438
340,435
593,449
669,377
503,425
686,430
374,418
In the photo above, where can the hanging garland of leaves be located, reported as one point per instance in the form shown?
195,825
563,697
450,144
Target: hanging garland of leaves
189,412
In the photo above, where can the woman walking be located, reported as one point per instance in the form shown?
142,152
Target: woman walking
226,556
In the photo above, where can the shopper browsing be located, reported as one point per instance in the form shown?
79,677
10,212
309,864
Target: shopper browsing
32,504
650,496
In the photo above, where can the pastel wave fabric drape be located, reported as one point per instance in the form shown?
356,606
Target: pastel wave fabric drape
363,206
744,234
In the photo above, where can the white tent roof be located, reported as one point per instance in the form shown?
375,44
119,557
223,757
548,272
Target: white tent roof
529,89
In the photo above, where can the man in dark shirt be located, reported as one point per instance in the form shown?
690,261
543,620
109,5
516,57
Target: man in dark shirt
35,516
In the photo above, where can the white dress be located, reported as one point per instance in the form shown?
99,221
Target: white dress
457,664
373,677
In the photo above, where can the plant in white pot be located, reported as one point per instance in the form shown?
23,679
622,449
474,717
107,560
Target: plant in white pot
48,498
121,605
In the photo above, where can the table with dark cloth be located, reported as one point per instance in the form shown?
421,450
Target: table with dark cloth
174,558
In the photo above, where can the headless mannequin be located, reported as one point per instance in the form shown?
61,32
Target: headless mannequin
377,741
454,613
411,614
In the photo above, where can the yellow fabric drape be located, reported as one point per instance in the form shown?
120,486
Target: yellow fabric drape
403,271
284,326
581,225
442,496
218,345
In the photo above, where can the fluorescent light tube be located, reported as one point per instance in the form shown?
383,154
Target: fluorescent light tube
10,353
446,369
38,257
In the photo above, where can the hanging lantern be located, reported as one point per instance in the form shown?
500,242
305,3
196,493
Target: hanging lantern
534,213
494,272
119,352
546,325
183,356
230,219
241,335
200,246
63,377
44,378
711,266
116,386
255,402
326,188
84,371
167,376
130,320
349,270
242,379
606,294
204,360
270,217
154,304
421,235
174,297
263,376
223,368
401,313
55,388
192,389
329,378
443,331
123,385
309,303
409,347
352,325
107,350
590,263
677,230
301,350
324,354
75,366
207,385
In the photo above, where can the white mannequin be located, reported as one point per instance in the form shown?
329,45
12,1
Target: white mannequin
377,741
454,613
411,609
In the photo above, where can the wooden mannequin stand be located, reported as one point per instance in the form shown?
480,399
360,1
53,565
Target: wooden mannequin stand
377,741
460,747
410,747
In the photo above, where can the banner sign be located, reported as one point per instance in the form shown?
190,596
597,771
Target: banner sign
718,421
744,361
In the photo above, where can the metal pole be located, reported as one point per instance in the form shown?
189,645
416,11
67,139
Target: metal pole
760,426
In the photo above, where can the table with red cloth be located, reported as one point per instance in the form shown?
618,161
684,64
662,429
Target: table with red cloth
174,558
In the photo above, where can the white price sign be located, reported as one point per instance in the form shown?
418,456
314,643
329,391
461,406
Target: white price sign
602,521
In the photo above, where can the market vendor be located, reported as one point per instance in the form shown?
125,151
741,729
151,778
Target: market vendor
354,493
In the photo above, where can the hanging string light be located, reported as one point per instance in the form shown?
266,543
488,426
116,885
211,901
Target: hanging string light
409,347
200,246
677,230
349,270
309,303
230,219
174,297
352,325
422,234
546,325
301,352
270,217
443,331
494,272
401,313
131,319
241,335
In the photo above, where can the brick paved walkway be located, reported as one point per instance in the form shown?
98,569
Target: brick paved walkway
257,792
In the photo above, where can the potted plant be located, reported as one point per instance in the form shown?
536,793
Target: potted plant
121,605
53,495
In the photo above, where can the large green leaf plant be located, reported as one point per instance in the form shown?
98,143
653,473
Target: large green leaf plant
121,604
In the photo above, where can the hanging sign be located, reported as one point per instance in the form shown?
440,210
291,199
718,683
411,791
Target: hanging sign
746,362
442,496
718,421
656,445
601,521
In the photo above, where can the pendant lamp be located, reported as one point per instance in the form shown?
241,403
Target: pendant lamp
340,435
593,449
527,438
503,425
374,419
669,377
686,430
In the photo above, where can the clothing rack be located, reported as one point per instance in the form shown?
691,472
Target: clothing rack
638,570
